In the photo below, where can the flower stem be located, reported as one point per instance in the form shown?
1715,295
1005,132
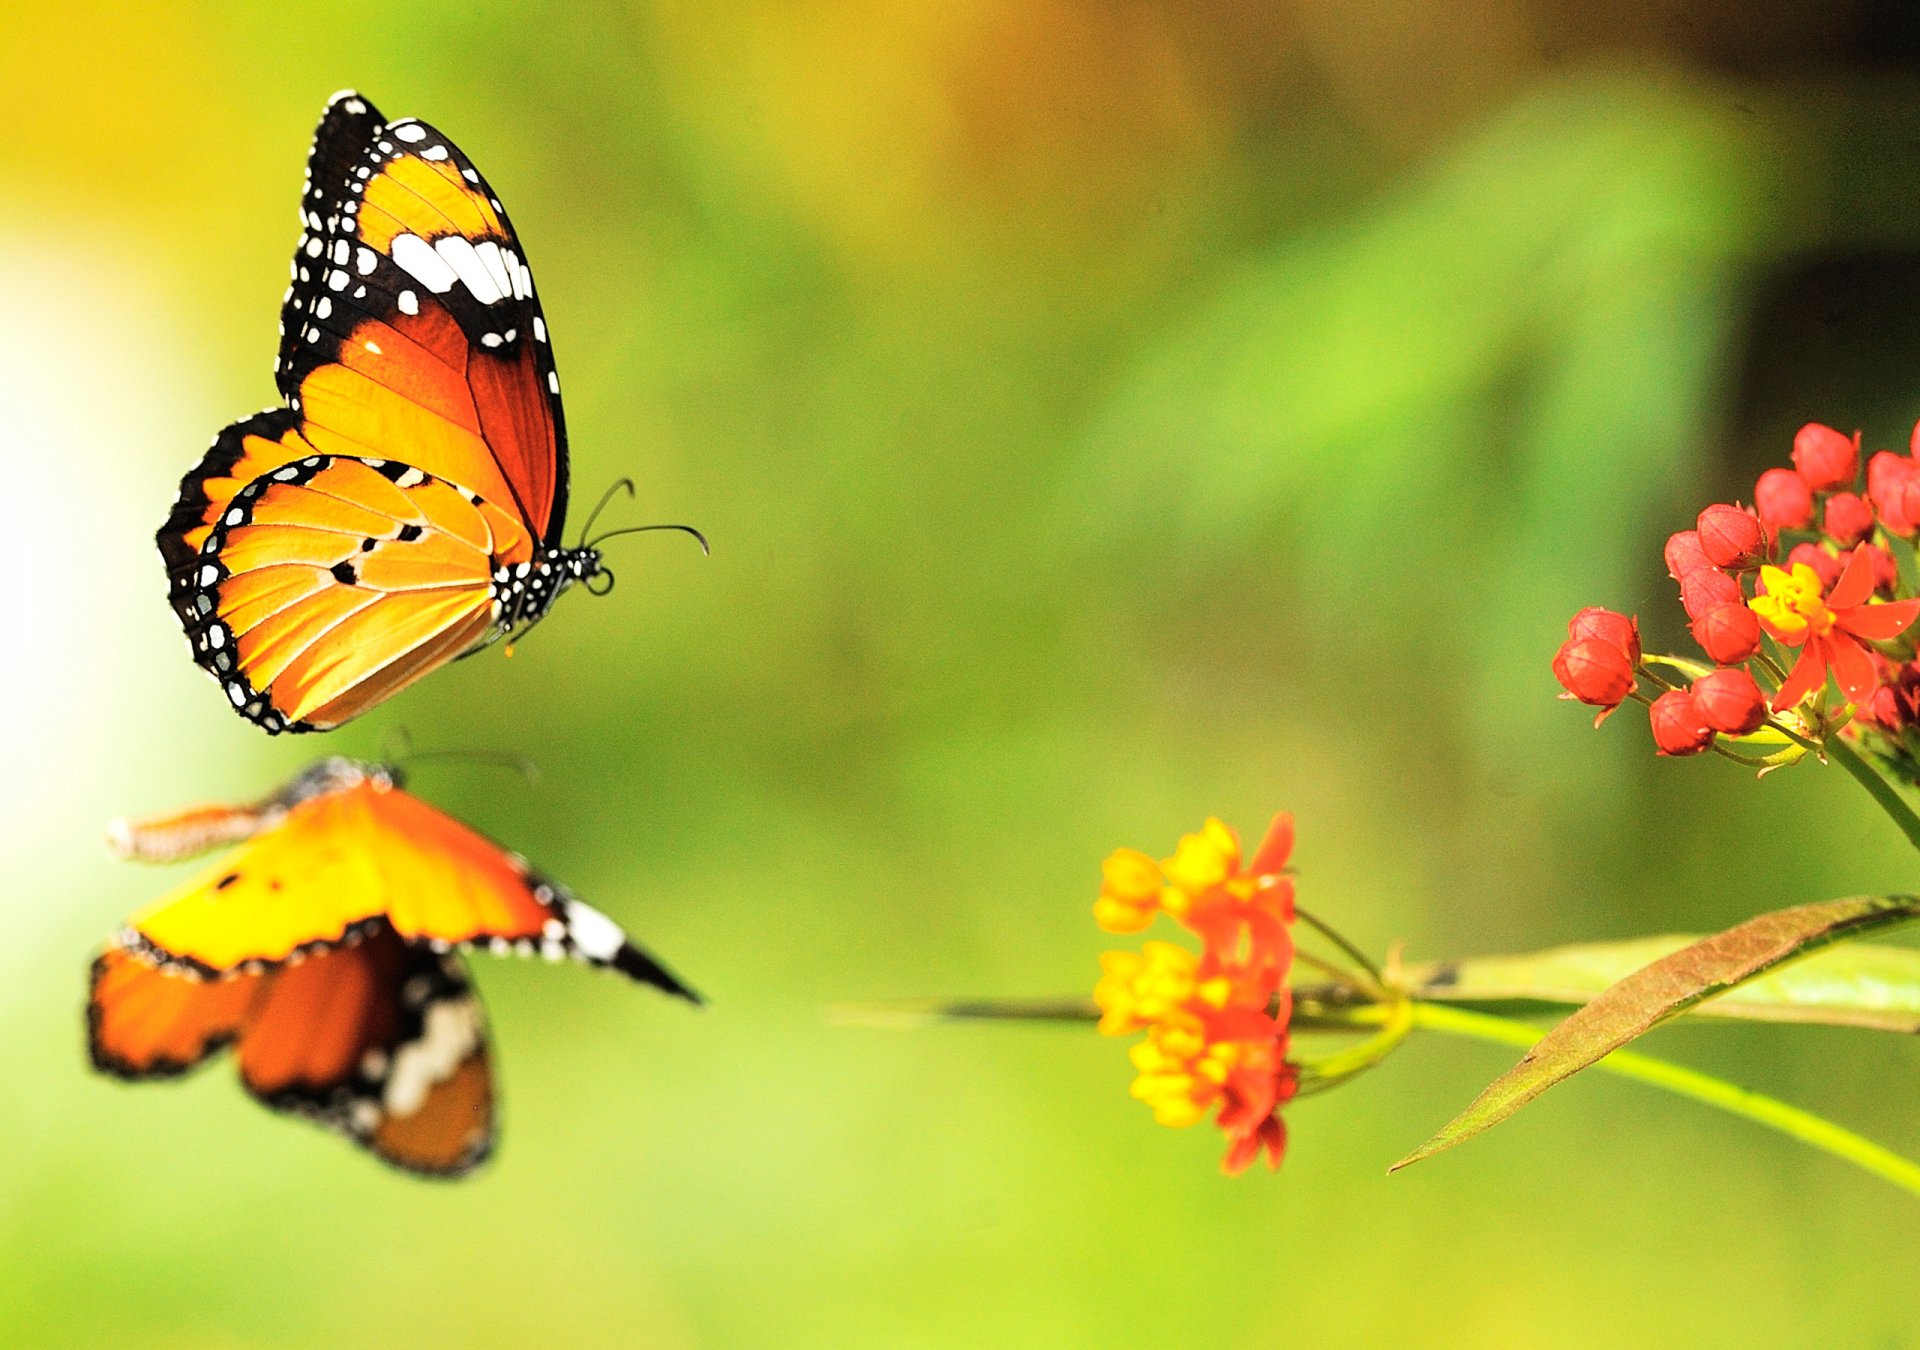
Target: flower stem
1353,953
1883,792
1809,1129
1395,1022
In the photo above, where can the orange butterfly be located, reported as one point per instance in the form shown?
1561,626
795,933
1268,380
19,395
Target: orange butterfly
324,949
406,505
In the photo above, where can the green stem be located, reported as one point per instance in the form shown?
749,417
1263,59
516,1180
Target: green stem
1791,1121
1396,1021
1883,792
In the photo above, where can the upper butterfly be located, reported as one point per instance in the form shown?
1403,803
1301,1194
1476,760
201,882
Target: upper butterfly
406,505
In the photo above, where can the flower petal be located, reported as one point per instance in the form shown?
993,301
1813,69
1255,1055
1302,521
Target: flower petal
1277,847
1879,623
1852,667
1855,584
1808,674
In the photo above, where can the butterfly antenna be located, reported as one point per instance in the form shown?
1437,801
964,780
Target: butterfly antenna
520,764
700,538
601,505
396,745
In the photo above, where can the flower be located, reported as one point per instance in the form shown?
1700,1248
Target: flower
1829,627
1824,564
1129,892
1678,728
1731,537
1782,500
1604,624
1728,633
1216,1021
1705,589
1685,554
1729,702
1825,458
1594,671
1846,519
1893,486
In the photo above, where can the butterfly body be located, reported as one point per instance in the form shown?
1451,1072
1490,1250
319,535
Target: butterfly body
405,505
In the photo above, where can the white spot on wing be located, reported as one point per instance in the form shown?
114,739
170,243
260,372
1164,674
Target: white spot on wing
417,258
409,303
498,265
450,1034
598,937
459,254
410,132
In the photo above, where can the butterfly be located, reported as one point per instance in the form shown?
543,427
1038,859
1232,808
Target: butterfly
405,506
327,950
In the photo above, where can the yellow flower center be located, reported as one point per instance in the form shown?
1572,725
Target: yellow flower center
1794,604
1141,988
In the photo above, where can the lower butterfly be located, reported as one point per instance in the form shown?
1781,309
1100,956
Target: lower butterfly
326,949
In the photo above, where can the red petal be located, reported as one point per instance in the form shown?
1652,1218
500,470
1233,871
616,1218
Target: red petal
1276,848
1855,584
1879,623
1808,674
1853,668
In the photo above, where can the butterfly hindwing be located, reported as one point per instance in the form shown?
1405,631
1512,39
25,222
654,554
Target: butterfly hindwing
144,1021
331,583
384,1042
377,1039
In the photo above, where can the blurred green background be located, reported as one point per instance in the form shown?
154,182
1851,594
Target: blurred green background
1106,413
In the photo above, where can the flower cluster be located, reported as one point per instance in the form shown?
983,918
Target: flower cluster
1215,1021
1780,596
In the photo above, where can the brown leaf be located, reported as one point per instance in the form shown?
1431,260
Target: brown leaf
1660,990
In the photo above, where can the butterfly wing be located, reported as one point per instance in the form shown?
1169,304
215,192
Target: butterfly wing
332,583
340,865
147,1021
416,333
411,342
382,1041
379,1040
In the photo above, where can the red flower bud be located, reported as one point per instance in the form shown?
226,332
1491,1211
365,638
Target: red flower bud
1891,486
1677,727
1847,518
1825,458
1824,564
1704,590
1731,537
1729,634
1783,500
1729,701
1603,625
1594,671
1685,555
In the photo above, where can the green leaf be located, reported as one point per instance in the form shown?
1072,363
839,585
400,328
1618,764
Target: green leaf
1854,984
1659,991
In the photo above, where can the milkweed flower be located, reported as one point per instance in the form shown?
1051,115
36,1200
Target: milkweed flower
1801,586
1829,627
1216,1020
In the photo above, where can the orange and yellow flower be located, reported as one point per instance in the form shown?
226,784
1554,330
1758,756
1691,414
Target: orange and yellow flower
1830,628
1216,1021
